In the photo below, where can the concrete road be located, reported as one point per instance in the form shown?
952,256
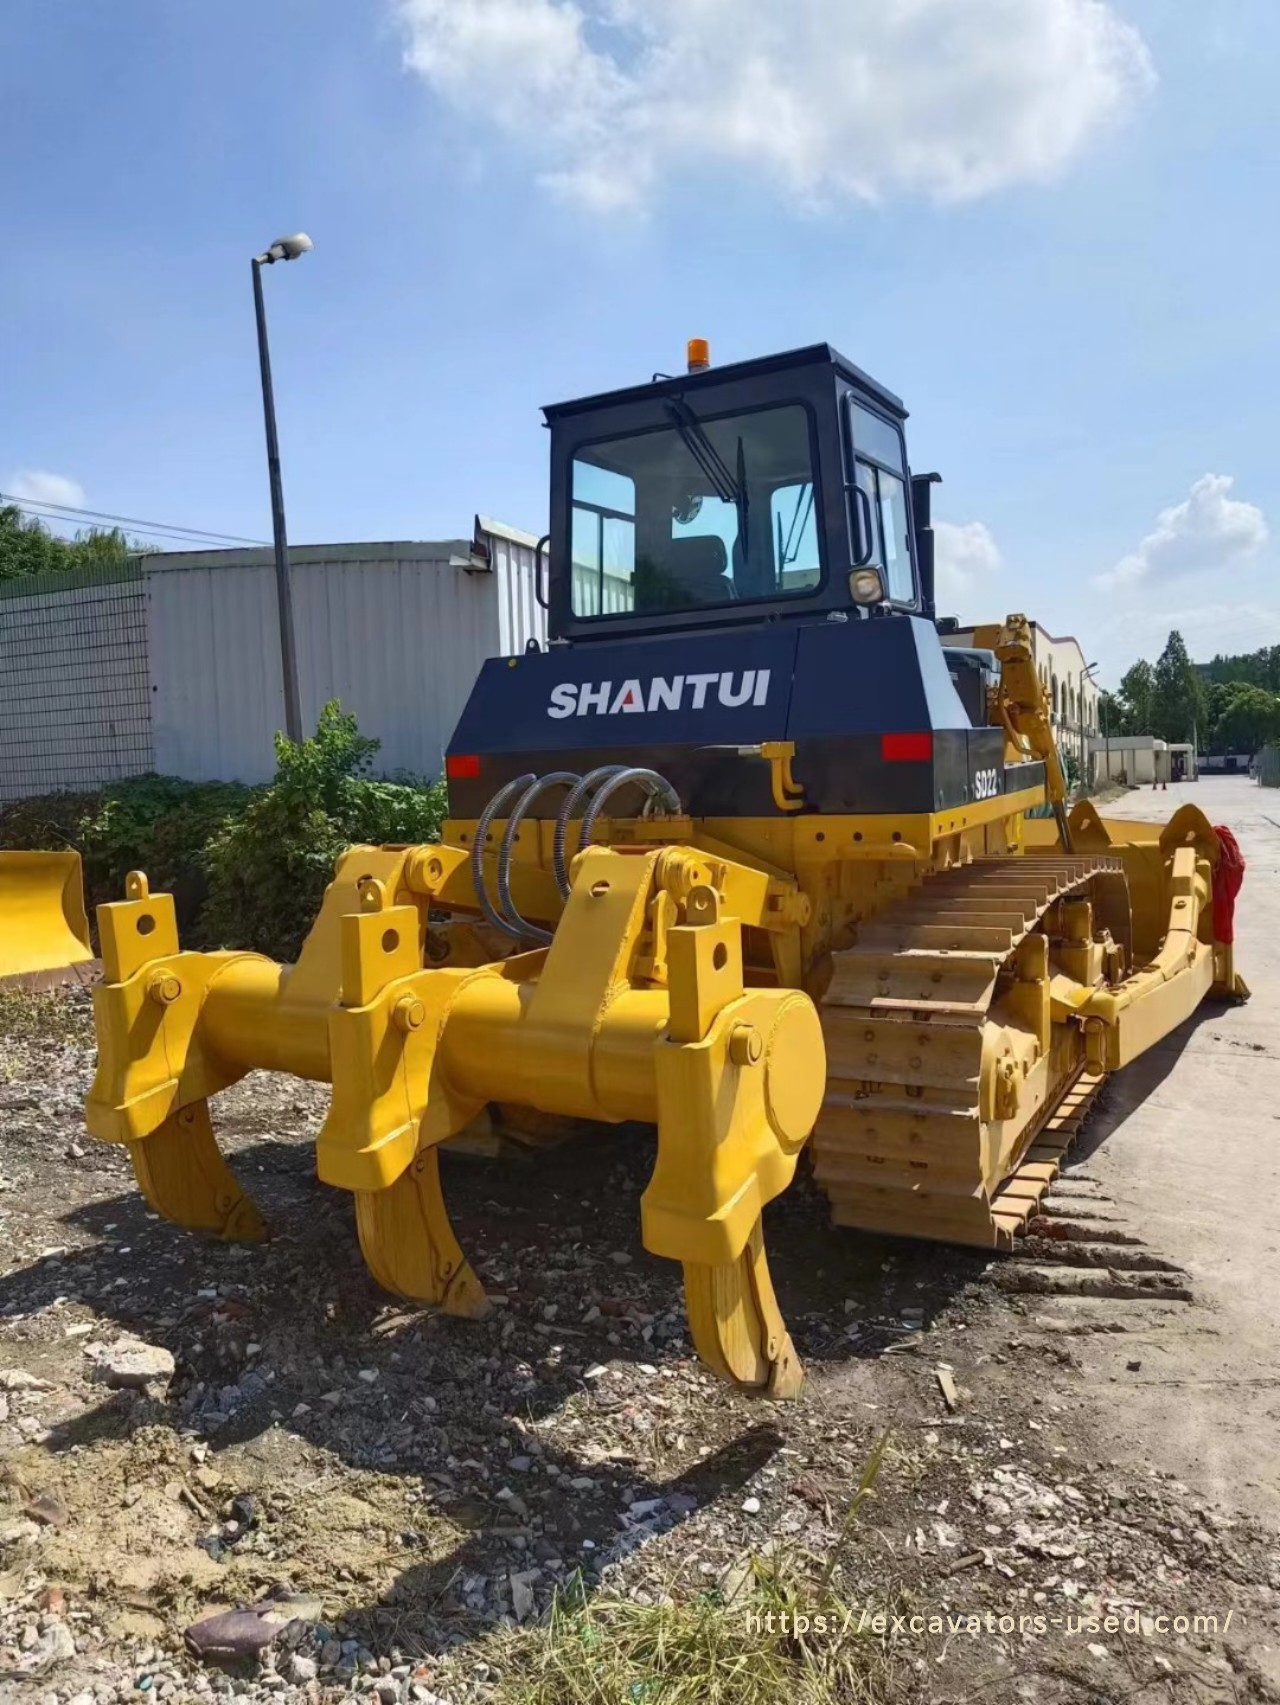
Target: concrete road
1192,1155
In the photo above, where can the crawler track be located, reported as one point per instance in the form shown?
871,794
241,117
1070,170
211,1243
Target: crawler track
921,1017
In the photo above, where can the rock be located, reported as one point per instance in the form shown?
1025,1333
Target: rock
18,1532
244,1509
751,1506
47,1510
388,1690
522,1599
242,1633
131,1365
620,1258
54,1646
302,1670
18,1379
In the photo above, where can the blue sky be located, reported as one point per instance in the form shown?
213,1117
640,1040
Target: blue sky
1050,225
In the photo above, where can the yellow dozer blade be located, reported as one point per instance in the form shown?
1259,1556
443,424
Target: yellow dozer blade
43,926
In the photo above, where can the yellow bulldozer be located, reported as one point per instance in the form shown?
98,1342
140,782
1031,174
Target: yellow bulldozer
742,852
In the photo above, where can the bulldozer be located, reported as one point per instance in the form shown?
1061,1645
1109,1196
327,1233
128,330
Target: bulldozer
43,924
743,852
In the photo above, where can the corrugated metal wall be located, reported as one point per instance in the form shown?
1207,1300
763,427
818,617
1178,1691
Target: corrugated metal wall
520,616
75,703
397,632
175,666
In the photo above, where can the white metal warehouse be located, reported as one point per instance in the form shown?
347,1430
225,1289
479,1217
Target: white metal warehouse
174,667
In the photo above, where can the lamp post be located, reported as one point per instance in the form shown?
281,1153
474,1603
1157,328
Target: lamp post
286,248
1086,674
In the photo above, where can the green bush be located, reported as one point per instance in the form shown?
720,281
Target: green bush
247,866
268,868
153,823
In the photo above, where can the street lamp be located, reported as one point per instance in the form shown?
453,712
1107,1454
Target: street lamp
1086,674
285,248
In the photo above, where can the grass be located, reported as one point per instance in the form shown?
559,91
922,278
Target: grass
774,1639
52,1015
781,1632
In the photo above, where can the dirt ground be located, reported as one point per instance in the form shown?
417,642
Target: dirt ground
1089,1454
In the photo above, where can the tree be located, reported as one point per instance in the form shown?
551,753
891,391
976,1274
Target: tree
1136,691
1247,717
1256,668
1112,714
27,547
1177,696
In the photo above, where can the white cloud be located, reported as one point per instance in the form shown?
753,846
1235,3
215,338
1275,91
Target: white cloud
35,485
831,100
965,554
1208,531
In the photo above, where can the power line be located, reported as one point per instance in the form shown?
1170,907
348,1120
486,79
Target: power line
42,511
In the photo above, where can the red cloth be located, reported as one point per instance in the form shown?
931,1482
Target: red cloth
1226,885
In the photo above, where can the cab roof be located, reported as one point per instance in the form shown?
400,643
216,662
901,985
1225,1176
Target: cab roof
687,384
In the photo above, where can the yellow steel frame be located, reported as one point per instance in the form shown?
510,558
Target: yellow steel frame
638,1010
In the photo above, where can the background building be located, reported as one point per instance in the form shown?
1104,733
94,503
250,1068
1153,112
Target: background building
172,663
1141,759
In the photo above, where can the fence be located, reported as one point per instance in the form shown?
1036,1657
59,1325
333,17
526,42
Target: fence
75,698
173,662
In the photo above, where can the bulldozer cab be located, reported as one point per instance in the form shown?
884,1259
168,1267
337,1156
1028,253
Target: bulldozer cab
741,560
758,492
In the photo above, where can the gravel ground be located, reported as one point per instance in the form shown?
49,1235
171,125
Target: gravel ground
427,1485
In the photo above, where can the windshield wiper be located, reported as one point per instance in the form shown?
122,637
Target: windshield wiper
712,464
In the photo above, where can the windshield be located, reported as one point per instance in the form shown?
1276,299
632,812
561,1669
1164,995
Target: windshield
698,513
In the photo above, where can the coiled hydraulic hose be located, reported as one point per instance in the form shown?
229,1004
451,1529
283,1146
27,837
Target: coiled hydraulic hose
521,926
524,790
659,789
477,847
559,863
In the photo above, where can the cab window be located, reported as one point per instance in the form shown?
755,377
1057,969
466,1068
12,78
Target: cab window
696,513
880,471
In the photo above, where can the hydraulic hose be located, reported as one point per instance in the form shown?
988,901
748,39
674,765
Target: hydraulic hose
592,779
521,926
477,847
657,787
